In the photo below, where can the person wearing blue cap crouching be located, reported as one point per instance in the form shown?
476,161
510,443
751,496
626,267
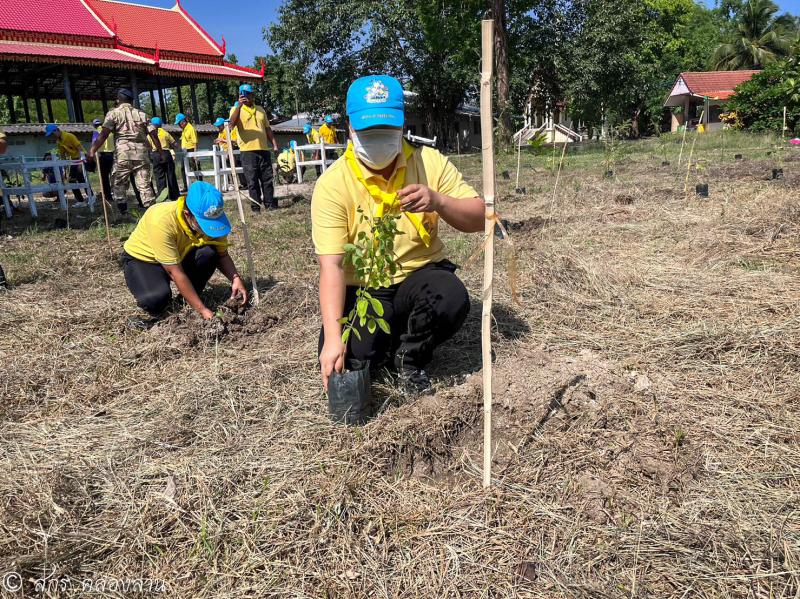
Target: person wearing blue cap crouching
381,174
255,137
182,242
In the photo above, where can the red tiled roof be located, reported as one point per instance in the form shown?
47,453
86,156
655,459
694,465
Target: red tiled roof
81,53
64,17
176,31
226,69
716,84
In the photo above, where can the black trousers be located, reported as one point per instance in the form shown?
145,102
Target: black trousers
150,284
164,171
76,176
423,311
106,161
257,165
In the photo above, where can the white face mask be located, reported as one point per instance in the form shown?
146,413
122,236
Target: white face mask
377,147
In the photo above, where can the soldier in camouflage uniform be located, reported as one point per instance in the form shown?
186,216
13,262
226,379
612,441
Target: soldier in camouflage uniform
131,128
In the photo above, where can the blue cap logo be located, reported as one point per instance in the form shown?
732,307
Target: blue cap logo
377,93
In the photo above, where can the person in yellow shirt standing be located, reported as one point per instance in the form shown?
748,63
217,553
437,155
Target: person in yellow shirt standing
182,242
68,147
254,138
327,131
163,162
312,137
426,303
188,144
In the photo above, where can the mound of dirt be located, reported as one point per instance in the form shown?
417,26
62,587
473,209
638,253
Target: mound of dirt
573,420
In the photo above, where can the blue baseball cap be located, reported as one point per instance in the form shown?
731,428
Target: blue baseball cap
97,122
306,128
293,144
204,201
245,88
375,100
219,122
156,121
328,119
179,117
50,129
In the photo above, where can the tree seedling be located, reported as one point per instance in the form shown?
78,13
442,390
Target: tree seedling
374,262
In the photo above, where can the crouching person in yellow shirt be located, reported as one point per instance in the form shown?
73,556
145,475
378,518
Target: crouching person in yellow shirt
426,303
182,242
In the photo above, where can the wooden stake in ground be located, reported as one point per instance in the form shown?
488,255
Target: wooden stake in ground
105,210
519,155
487,143
783,130
689,165
683,143
245,232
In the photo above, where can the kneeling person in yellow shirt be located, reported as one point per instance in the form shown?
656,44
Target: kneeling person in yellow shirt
68,147
426,303
183,241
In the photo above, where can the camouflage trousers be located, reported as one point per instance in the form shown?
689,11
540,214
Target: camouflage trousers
141,177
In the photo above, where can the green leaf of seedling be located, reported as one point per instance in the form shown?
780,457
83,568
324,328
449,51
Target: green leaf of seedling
356,333
349,247
361,307
371,326
346,335
377,307
343,320
383,325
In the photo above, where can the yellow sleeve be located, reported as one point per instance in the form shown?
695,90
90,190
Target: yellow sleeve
163,241
192,138
314,136
450,181
329,226
223,248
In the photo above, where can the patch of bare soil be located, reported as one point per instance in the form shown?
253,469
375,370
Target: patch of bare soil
598,424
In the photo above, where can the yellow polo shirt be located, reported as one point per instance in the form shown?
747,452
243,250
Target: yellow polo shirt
165,138
108,144
337,194
189,137
68,146
328,134
251,129
159,237
313,137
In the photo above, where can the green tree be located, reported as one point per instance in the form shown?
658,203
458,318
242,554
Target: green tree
433,47
759,102
759,38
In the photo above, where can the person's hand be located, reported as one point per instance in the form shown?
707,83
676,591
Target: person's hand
238,290
242,100
90,154
275,148
207,314
331,358
418,198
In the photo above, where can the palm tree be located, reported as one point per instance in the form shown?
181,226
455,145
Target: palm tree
758,39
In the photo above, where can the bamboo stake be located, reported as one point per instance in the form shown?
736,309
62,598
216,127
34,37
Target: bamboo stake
689,165
245,232
487,138
519,155
683,143
105,210
783,131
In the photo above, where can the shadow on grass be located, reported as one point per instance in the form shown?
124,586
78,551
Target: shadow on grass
461,355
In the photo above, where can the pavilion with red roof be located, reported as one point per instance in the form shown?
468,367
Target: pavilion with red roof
85,49
709,90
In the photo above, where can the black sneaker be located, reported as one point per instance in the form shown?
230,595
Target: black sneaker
255,207
415,382
272,207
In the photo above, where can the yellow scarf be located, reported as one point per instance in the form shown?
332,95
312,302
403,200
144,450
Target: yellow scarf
386,202
197,241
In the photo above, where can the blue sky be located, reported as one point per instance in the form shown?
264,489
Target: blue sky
241,22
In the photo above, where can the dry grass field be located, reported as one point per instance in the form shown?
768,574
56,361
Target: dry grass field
647,407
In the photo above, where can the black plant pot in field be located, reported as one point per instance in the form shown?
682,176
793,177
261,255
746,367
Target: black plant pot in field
349,398
608,174
506,175
777,173
738,157
701,189
520,190
665,163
